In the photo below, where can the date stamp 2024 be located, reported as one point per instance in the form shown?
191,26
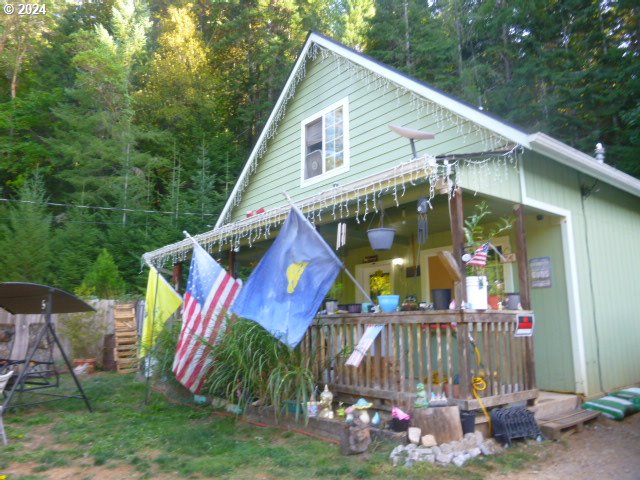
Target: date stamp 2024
24,9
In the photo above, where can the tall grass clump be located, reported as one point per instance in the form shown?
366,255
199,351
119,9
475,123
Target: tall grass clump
250,364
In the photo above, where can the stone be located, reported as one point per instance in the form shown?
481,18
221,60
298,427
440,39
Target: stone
469,441
410,447
459,461
444,458
397,455
421,454
446,448
457,446
414,434
355,438
436,450
429,441
479,436
489,447
475,452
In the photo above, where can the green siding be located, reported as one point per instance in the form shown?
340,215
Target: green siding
373,105
607,268
554,358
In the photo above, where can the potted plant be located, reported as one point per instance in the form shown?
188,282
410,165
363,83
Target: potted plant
478,239
331,302
496,293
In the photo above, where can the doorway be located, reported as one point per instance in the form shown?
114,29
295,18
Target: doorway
376,278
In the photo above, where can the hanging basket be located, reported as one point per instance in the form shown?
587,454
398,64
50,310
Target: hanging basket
381,238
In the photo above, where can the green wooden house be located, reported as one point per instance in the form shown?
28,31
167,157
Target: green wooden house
350,138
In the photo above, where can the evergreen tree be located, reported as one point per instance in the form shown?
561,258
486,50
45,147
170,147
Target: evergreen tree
103,279
25,237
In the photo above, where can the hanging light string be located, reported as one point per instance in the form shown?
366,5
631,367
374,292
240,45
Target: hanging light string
443,118
363,196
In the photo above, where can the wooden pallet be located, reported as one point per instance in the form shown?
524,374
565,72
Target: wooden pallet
566,423
126,349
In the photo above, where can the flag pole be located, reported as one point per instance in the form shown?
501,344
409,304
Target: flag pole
342,265
147,365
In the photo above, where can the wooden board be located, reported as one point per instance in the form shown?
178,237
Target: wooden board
566,423
126,338
441,422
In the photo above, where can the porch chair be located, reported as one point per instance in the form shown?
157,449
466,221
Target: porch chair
4,379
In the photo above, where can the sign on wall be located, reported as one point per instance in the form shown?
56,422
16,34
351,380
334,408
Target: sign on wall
526,322
540,272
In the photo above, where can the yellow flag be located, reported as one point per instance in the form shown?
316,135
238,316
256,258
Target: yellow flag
162,301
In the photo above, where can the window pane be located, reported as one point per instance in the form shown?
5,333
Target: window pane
313,136
313,164
331,161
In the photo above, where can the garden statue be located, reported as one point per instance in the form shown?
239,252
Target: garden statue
362,405
421,397
326,398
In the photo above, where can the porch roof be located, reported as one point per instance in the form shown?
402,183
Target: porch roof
356,199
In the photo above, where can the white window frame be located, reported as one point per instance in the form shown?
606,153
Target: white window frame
344,103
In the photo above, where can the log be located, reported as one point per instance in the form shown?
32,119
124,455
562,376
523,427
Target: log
441,422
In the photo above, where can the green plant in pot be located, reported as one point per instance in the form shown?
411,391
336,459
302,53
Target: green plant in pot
331,302
478,236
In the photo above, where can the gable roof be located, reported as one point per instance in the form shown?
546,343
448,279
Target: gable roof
537,142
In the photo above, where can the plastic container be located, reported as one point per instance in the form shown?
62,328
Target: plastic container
441,298
513,301
381,238
354,308
477,293
389,303
468,421
398,425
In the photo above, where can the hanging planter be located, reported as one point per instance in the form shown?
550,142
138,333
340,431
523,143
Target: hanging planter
381,238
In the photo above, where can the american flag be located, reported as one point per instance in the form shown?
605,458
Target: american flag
479,258
210,293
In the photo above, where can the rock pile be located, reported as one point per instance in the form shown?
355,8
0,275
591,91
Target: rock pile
458,452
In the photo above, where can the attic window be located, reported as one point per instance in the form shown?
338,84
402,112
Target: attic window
325,143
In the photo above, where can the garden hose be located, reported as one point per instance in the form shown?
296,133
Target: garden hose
479,384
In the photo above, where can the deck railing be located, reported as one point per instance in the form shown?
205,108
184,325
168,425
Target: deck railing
444,350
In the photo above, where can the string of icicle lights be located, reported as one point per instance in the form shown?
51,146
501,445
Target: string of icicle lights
359,200
444,118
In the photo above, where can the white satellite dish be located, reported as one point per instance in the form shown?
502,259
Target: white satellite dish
412,134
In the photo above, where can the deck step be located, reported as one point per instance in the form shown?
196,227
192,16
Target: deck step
566,423
552,404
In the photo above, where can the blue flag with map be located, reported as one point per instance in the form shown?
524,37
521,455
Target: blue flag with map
285,290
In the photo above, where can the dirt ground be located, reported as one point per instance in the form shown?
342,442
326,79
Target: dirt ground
605,449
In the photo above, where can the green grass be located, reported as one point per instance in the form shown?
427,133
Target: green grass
172,440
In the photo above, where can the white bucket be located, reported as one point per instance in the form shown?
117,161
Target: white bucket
477,293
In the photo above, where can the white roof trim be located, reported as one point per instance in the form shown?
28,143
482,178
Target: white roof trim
538,142
569,156
262,138
457,107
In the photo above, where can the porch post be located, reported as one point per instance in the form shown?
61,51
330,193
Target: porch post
525,293
457,241
177,276
523,261
232,262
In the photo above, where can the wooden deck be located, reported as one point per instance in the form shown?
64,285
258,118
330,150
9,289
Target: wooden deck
446,350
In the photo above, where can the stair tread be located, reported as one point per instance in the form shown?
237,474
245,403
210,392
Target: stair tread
569,418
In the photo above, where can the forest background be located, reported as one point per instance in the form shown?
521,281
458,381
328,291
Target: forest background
124,122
